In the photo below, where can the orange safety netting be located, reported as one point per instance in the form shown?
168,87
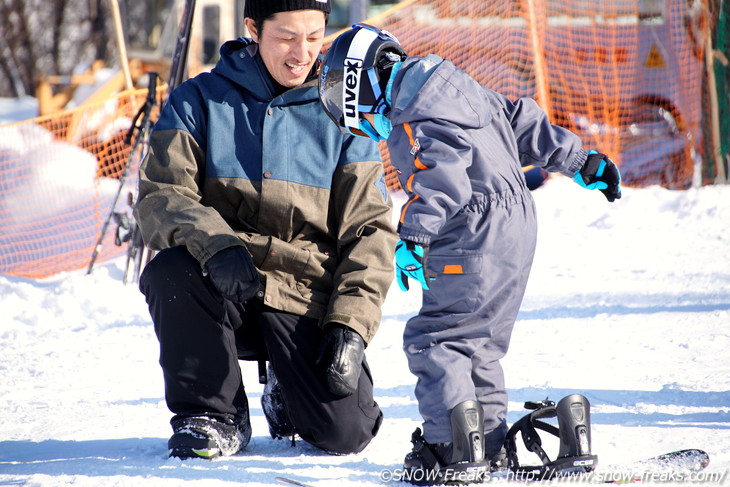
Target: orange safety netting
625,75
59,175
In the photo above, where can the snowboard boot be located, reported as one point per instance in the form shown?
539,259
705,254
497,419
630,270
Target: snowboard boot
209,437
499,462
458,462
272,403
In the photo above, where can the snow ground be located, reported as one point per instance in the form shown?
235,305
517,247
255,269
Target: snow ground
628,304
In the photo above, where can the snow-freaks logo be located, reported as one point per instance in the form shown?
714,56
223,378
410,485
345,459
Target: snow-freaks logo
351,93
468,475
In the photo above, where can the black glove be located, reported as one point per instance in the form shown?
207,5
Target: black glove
233,273
341,353
599,172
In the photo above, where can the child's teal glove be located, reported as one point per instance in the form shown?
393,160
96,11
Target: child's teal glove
410,261
599,172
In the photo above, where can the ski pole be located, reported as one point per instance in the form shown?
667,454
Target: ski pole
136,250
143,129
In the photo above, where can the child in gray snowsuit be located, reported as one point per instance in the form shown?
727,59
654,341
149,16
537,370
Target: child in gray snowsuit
467,231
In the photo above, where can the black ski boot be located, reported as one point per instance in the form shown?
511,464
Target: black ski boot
499,462
459,462
209,437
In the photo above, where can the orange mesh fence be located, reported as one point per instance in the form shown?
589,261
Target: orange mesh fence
625,75
59,175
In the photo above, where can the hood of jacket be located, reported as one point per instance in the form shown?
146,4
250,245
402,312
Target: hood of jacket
240,64
433,88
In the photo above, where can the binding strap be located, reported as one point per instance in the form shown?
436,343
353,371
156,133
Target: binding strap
528,426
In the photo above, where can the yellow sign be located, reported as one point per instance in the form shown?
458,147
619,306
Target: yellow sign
654,59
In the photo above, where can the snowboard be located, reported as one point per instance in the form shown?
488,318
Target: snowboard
676,466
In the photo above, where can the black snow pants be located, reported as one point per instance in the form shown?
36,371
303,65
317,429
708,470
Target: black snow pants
202,336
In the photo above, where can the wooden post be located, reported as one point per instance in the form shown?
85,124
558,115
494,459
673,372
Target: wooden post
121,44
541,79
716,156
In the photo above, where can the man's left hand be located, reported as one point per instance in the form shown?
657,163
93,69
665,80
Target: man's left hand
341,353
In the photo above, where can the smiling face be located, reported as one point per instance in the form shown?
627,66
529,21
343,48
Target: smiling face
289,44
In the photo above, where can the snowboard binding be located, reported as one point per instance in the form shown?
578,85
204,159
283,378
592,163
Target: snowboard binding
573,430
458,462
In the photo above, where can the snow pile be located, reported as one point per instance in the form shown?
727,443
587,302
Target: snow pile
628,304
51,201
43,177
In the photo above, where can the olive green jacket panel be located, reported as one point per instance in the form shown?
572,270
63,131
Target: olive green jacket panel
324,253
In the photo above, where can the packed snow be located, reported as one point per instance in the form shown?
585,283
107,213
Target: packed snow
628,304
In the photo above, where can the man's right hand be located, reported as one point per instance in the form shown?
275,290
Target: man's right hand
341,353
233,273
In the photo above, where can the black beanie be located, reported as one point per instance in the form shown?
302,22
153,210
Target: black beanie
257,9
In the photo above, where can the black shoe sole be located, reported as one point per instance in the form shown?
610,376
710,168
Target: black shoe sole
186,445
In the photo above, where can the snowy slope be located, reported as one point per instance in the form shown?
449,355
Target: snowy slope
628,304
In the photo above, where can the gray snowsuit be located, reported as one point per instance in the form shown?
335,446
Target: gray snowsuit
459,149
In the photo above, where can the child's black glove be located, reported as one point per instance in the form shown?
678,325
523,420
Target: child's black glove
599,172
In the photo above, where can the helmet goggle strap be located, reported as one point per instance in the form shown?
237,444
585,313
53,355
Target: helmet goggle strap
379,105
373,101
